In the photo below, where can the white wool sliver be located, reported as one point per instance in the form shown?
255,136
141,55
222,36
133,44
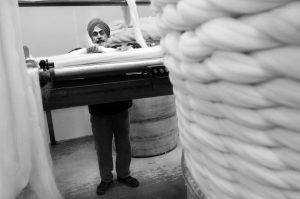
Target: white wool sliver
135,20
25,156
42,179
100,58
121,32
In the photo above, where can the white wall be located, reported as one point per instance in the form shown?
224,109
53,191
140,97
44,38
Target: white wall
57,30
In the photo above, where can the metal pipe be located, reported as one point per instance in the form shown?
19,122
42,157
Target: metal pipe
42,3
83,71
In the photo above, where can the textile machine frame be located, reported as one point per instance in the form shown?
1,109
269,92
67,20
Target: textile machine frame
80,86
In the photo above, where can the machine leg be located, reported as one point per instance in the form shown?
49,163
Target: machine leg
50,127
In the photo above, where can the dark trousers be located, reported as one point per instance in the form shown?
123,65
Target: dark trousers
104,127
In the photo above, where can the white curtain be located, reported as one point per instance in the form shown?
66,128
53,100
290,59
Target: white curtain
24,151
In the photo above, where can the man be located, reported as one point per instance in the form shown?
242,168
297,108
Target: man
107,120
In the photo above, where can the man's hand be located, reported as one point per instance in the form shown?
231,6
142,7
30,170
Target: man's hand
93,49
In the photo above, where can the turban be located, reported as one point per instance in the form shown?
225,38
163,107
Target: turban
99,23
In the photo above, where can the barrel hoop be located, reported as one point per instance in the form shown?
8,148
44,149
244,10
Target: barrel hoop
157,154
155,137
154,119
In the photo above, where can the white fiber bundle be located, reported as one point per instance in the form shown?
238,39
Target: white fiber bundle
121,33
134,17
75,59
25,156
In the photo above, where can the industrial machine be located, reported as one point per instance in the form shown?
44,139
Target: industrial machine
85,85
64,87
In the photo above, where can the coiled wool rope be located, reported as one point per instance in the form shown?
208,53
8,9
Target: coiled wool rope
234,66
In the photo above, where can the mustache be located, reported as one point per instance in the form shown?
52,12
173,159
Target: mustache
102,43
100,40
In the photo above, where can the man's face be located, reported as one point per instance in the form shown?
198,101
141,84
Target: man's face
99,37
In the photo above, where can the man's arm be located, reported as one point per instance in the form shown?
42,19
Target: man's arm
99,49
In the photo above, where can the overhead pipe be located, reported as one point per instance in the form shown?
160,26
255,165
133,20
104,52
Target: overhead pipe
44,3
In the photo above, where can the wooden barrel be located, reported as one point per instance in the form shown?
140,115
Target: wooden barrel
153,126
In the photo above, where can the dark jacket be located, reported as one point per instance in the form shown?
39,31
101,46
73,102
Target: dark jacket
114,107
109,108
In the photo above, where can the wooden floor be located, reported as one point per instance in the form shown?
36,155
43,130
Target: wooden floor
77,174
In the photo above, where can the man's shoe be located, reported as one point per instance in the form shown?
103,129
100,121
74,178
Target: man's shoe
103,187
129,181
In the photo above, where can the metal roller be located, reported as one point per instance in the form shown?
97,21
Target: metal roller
95,70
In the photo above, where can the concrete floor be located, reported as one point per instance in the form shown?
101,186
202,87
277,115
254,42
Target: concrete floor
77,174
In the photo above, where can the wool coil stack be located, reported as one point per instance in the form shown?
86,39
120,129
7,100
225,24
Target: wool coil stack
234,69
